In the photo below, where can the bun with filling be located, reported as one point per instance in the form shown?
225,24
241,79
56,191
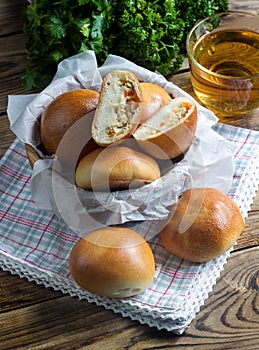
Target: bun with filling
62,113
114,262
154,97
170,131
115,167
118,111
204,224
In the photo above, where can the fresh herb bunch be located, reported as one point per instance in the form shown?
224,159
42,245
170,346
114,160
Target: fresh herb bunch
151,34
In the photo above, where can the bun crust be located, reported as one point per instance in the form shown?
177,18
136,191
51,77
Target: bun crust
154,97
62,113
118,111
115,167
204,224
170,131
114,262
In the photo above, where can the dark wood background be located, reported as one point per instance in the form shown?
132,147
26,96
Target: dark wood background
35,317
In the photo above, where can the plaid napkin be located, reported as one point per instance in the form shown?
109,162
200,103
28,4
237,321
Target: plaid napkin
35,244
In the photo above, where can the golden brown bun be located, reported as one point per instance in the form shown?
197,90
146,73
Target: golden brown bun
62,113
114,262
154,97
170,131
115,167
204,224
118,111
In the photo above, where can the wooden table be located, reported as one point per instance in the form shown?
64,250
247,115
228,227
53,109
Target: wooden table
34,317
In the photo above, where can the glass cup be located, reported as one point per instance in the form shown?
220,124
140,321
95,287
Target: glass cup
223,53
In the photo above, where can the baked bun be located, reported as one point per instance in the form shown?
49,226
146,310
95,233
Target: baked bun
117,114
204,224
114,262
62,113
170,131
154,97
115,167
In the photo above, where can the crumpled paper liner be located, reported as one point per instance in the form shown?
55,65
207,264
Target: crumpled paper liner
208,162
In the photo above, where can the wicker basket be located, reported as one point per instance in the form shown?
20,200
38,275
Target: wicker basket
31,154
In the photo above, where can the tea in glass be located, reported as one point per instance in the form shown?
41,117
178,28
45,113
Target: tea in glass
223,52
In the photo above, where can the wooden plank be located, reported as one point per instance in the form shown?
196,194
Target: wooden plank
12,65
11,16
13,59
251,6
251,235
6,135
229,316
20,293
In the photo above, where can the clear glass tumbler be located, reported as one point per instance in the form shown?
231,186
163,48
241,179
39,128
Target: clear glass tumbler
223,53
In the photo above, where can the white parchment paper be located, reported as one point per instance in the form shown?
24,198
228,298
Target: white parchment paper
208,162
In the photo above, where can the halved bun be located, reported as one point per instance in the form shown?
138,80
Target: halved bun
62,113
154,97
114,262
117,114
204,224
170,131
115,167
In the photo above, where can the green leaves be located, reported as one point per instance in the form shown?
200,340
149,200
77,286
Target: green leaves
55,28
192,11
151,34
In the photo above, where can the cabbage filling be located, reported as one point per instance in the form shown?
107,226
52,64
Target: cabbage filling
166,118
123,106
